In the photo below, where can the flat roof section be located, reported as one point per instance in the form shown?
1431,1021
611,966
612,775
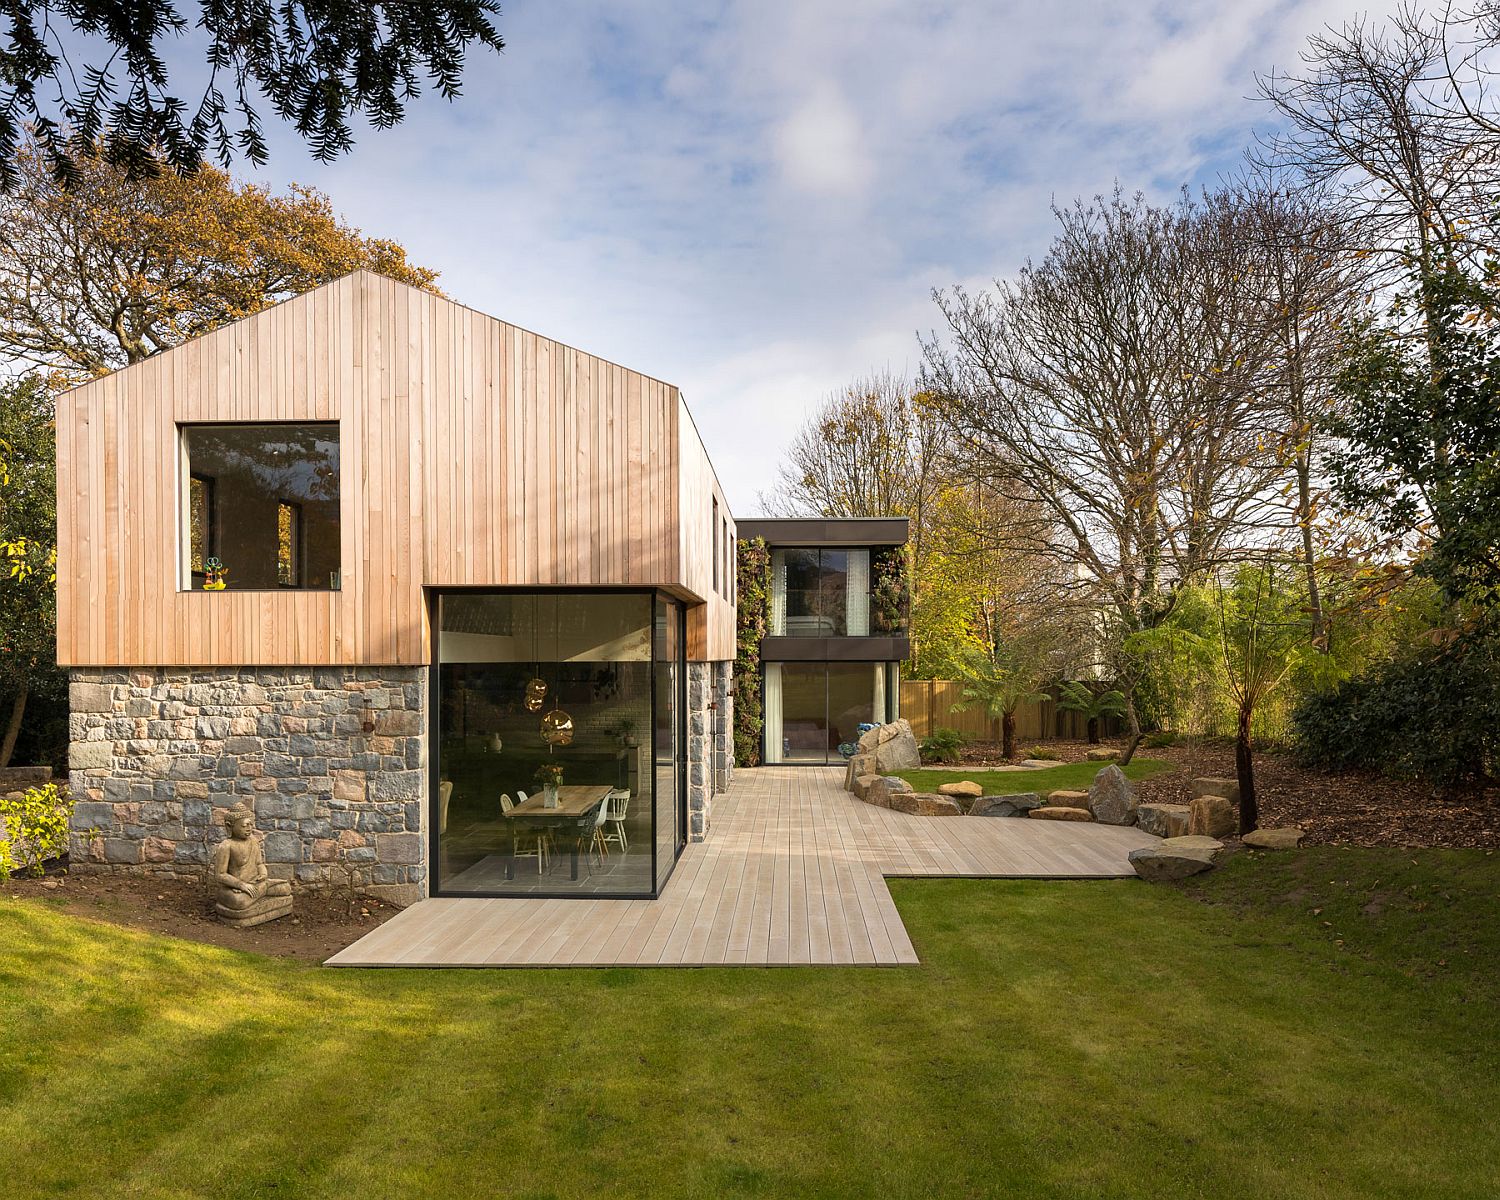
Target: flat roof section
826,531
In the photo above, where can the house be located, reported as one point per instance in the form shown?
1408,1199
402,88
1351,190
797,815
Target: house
837,632
386,569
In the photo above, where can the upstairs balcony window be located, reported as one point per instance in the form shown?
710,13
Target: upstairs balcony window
261,506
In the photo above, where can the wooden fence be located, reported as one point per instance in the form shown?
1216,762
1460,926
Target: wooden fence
928,705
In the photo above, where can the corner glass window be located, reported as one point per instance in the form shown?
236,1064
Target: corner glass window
559,743
261,507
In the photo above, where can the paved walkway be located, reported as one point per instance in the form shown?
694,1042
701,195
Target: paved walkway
792,873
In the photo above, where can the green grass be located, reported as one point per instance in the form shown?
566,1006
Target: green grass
1087,1039
1067,777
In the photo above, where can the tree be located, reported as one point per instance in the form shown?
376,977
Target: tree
82,72
1262,629
1421,433
1117,388
28,552
872,449
1299,266
108,270
1091,703
1009,671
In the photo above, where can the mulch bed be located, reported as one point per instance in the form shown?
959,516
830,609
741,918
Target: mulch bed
987,754
321,924
1351,808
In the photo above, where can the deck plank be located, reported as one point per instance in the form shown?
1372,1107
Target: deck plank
793,873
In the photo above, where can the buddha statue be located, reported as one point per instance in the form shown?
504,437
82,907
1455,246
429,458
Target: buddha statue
245,893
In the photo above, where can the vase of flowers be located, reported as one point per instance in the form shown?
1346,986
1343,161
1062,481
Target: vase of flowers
550,777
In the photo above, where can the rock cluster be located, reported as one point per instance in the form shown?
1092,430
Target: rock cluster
883,750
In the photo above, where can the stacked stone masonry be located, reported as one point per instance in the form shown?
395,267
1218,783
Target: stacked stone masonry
332,760
710,723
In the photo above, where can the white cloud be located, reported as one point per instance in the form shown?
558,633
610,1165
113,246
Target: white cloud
819,147
755,204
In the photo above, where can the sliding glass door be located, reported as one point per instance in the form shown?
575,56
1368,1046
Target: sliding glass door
813,710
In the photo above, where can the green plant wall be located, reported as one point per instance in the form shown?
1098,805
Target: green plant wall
753,563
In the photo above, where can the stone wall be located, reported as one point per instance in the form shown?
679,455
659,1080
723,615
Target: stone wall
333,761
723,726
710,741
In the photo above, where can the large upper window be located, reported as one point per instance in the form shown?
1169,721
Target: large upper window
820,593
261,507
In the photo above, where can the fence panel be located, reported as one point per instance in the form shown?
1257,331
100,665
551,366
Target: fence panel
928,705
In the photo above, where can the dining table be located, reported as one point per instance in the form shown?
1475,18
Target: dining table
577,805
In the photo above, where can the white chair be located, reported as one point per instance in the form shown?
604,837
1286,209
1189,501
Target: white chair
540,845
593,836
544,834
618,804
445,794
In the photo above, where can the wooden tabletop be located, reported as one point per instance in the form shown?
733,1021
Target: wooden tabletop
573,800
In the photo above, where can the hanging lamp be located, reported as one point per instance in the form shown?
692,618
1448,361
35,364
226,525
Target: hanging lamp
557,726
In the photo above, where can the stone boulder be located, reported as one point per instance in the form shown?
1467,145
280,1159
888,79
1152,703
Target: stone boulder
1274,839
1212,816
1051,812
1103,754
1162,820
1066,799
883,787
925,804
1228,788
1175,858
861,787
1192,844
859,764
963,789
1111,798
894,747
1005,806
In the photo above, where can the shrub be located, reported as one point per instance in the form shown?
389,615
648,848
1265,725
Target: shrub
33,828
1434,716
941,745
1159,739
1041,753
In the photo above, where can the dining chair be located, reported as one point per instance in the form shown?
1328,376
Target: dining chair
593,836
618,804
544,834
540,845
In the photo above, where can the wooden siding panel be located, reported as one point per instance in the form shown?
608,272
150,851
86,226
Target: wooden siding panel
472,452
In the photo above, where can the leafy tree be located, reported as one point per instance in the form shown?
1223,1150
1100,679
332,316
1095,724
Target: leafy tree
1421,433
1092,704
1262,633
82,71
28,553
109,270
1003,679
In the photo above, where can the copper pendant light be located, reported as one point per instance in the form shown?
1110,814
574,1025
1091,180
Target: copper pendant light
536,694
557,726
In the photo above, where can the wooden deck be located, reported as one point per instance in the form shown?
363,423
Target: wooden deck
793,873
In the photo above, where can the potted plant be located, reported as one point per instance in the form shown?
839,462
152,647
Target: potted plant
550,777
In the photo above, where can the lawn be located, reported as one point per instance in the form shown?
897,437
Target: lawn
1064,777
1317,1025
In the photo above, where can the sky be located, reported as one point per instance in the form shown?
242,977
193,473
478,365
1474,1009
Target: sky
754,200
